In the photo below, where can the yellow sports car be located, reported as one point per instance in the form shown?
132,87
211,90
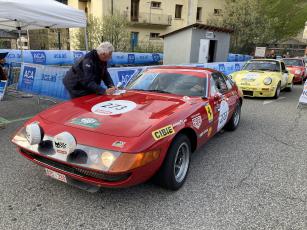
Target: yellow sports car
263,78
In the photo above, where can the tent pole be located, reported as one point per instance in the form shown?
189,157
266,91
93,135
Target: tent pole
86,38
20,43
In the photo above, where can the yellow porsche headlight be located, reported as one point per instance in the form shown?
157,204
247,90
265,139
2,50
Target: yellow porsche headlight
267,81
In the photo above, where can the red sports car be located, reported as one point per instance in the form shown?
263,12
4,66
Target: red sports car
296,66
148,129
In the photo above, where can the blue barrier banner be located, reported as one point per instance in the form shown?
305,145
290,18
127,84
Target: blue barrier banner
2,89
47,80
67,57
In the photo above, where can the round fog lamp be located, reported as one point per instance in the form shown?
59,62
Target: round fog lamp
34,133
64,143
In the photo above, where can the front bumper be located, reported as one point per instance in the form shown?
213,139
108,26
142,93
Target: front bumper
252,91
79,172
298,79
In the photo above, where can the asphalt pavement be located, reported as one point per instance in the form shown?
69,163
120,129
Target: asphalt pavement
252,178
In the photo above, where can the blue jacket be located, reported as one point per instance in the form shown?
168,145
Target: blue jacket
85,76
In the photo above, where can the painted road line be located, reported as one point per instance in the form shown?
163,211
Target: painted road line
271,101
5,121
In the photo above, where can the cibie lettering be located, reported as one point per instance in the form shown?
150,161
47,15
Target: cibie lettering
163,132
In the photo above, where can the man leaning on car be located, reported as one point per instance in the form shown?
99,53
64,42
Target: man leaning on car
85,76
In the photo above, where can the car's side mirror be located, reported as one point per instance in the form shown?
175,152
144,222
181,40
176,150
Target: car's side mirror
286,71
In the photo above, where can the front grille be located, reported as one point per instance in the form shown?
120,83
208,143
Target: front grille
77,171
248,93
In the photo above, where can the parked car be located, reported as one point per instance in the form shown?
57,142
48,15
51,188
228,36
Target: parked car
263,78
297,67
149,129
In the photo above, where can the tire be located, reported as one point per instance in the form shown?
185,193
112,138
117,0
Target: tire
234,121
289,89
277,92
170,176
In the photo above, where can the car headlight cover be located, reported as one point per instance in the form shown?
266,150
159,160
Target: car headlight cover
298,71
34,133
267,81
64,143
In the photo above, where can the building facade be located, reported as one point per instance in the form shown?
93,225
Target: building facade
150,19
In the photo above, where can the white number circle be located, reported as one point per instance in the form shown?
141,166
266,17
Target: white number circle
223,116
113,107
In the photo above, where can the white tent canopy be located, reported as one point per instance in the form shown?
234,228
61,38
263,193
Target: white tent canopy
39,14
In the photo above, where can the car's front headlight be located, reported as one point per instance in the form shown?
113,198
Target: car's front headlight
298,71
267,81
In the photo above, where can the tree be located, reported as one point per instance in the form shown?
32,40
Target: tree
112,28
94,34
261,21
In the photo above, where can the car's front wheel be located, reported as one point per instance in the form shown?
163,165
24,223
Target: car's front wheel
176,164
277,92
234,121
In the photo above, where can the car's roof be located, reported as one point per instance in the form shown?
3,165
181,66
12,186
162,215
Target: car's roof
184,69
265,59
298,58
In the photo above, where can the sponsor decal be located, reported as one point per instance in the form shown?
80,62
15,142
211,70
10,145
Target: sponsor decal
49,77
209,131
223,116
113,107
125,76
61,147
77,55
179,123
28,77
163,132
86,122
209,112
39,57
197,121
131,58
237,67
203,133
222,68
156,57
119,144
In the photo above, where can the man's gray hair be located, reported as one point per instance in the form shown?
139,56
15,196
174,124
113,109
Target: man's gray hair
105,47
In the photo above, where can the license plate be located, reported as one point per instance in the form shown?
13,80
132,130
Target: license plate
56,175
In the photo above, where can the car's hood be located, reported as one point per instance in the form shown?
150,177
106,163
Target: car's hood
252,77
146,109
292,69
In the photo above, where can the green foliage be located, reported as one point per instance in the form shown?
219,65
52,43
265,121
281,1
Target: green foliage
261,22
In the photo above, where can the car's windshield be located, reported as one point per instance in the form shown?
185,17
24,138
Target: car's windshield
262,65
174,83
293,62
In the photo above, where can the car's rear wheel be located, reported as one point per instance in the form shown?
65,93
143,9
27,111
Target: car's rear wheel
290,87
174,170
277,92
234,121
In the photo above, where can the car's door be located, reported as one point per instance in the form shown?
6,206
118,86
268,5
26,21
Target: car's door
285,75
220,95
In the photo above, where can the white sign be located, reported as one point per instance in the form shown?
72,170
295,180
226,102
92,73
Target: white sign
223,116
260,51
303,98
113,107
209,35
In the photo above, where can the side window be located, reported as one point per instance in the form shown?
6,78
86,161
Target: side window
220,82
283,67
213,89
229,83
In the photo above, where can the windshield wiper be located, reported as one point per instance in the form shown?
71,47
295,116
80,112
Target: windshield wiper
157,90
